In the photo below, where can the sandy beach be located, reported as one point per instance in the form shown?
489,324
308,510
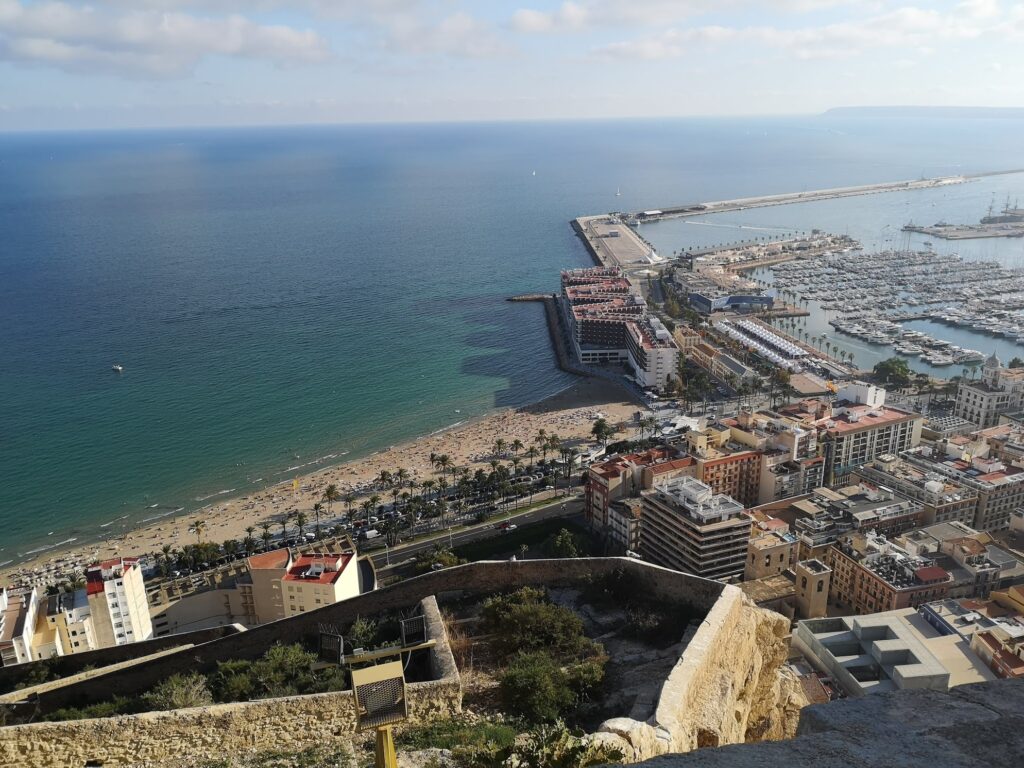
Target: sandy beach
568,414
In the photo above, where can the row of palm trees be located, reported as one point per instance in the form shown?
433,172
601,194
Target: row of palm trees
410,498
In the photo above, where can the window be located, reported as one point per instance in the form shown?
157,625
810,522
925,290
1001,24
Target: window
821,585
803,582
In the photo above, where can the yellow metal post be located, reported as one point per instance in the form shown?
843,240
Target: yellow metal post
385,754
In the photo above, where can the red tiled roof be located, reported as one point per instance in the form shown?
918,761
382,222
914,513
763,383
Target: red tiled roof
931,573
668,466
301,567
276,558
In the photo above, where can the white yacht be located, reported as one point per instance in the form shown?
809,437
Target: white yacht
116,368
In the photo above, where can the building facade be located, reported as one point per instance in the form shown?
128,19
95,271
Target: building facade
686,526
999,391
117,602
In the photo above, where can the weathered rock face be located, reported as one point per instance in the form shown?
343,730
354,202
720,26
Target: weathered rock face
971,726
728,688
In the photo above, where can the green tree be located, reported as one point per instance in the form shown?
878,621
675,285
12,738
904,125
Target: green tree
562,545
895,372
1016,363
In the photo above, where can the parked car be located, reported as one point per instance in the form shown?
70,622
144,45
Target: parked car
507,527
369,533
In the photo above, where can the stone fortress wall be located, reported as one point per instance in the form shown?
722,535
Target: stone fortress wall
726,688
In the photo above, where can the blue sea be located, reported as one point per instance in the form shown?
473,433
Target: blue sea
284,298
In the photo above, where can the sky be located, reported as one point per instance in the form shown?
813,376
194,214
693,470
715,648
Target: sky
150,63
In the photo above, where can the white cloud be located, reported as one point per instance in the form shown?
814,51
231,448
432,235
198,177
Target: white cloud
572,16
458,35
907,27
569,16
143,42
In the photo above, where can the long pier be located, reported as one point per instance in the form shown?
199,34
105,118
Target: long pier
787,198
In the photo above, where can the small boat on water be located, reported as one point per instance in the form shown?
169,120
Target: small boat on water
117,368
938,359
908,349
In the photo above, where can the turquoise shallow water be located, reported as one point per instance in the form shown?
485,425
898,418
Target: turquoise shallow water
279,296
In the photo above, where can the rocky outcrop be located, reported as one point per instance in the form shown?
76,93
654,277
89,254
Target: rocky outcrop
971,726
729,687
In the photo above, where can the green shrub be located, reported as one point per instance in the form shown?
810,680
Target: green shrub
180,692
585,678
555,746
362,633
535,687
452,733
543,626
119,705
284,670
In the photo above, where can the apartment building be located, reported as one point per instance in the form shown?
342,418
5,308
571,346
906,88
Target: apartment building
608,324
624,525
18,609
967,462
687,526
116,596
621,476
942,498
999,390
263,588
317,580
821,519
977,563
68,625
871,574
856,429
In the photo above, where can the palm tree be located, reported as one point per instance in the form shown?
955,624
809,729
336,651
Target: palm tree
401,476
499,447
427,486
366,505
197,528
517,446
283,522
374,502
554,443
542,440
317,509
331,494
443,463
249,541
265,535
300,522
532,453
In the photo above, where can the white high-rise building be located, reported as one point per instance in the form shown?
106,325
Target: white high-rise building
117,602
